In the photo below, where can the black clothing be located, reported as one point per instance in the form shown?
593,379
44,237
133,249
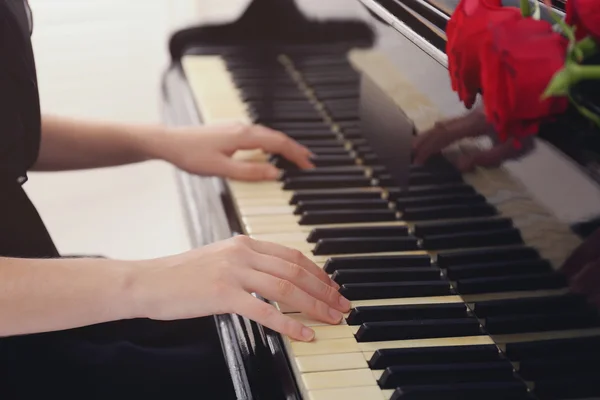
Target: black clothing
124,359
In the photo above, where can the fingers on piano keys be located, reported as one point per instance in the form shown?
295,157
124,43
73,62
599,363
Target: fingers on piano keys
447,299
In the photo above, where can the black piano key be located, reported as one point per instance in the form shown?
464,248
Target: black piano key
318,161
341,114
349,124
382,359
434,178
329,151
375,231
313,134
542,348
385,290
549,321
332,79
424,191
552,366
407,261
438,162
325,194
343,276
352,132
354,170
417,329
449,259
442,228
304,126
531,305
483,270
504,237
346,216
342,104
330,161
492,371
444,200
365,245
360,315
323,143
328,93
315,205
356,142
266,119
262,94
513,390
326,182
282,105
585,386
305,62
511,283
277,71
455,211
364,151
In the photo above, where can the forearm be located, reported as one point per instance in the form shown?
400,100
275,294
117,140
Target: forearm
48,295
69,144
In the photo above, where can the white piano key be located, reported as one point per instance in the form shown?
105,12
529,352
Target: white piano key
216,96
266,210
334,332
351,393
284,308
339,379
263,201
407,301
311,322
331,362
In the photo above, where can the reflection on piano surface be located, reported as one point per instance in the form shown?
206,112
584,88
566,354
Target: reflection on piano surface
453,282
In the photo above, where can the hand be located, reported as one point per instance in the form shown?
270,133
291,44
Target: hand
208,150
218,279
445,133
582,269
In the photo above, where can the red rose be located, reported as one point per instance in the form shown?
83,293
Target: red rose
466,31
585,15
518,60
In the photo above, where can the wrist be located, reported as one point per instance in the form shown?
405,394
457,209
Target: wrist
151,143
143,288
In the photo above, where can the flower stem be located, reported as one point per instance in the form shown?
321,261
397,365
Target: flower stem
584,72
525,8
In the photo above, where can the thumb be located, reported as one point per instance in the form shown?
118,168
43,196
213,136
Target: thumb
250,171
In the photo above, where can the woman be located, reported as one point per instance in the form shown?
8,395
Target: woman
95,328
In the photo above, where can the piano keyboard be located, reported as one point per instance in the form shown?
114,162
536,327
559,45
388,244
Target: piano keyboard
453,285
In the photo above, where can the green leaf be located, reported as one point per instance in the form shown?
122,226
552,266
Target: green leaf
559,84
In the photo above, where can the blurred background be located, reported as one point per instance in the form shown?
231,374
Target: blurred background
103,59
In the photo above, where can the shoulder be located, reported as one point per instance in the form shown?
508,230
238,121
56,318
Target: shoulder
19,98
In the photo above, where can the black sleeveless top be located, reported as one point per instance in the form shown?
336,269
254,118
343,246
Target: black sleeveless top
22,232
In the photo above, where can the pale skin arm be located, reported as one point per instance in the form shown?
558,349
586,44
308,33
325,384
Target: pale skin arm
69,144
47,295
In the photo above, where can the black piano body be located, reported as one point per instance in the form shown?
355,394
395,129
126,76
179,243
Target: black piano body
411,34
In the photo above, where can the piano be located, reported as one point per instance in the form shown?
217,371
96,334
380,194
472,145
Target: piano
453,281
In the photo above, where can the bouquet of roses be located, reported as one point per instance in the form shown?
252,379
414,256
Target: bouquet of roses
523,66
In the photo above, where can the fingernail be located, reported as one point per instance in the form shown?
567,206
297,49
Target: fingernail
335,285
308,333
345,303
335,314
